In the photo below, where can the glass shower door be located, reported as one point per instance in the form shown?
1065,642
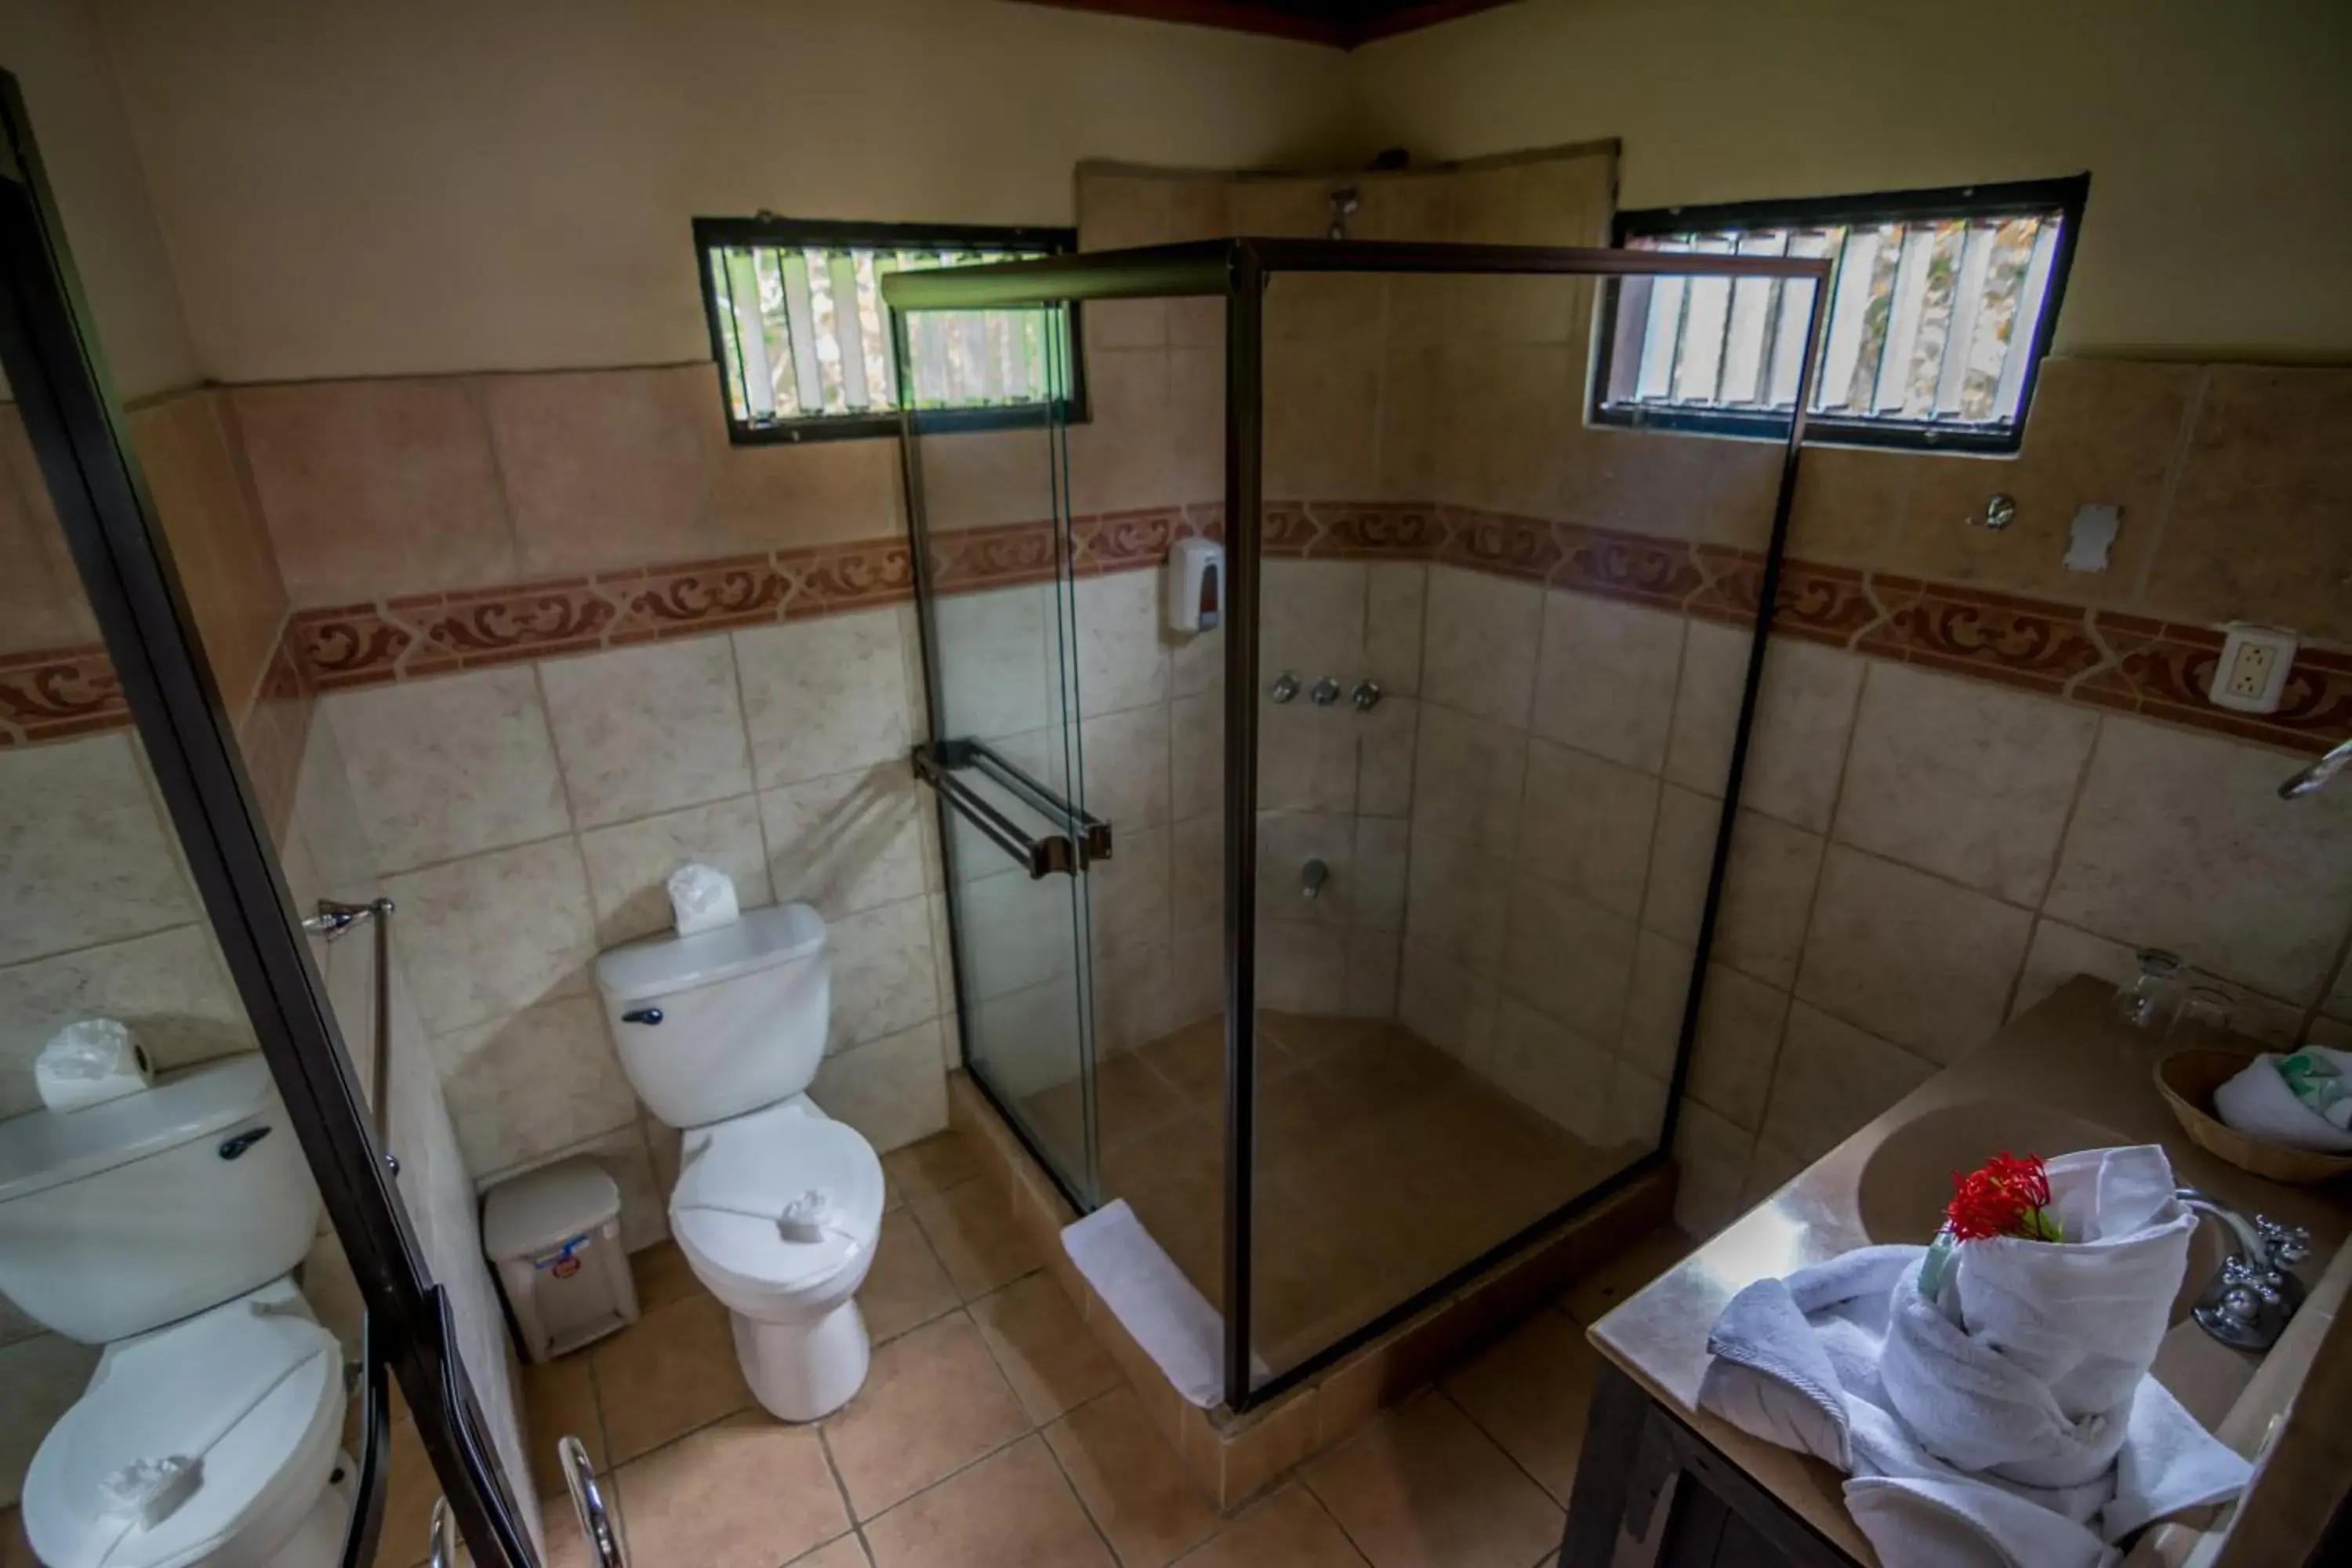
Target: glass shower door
992,536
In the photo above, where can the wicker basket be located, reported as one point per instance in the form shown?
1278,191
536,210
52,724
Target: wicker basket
2188,1078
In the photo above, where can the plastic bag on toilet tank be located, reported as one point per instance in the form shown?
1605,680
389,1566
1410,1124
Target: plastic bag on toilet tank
89,1062
701,898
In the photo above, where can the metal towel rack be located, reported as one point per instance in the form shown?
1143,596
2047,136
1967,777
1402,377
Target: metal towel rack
1086,839
334,922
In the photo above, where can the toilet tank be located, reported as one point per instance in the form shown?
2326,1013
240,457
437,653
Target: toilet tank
722,1022
122,1217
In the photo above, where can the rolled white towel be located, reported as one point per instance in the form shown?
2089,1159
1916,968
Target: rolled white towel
2258,1102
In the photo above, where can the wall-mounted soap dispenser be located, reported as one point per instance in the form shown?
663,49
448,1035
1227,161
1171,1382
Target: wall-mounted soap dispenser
1196,585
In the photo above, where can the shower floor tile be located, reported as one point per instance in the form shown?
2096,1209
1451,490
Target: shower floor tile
1384,1166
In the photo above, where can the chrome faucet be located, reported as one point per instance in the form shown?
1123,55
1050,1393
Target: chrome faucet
2247,1303
2317,774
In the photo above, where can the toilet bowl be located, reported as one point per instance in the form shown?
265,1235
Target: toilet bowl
165,1227
249,1396
798,1333
777,1207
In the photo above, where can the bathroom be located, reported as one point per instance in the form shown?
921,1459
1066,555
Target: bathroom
409,329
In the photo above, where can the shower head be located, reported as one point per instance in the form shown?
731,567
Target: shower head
2311,778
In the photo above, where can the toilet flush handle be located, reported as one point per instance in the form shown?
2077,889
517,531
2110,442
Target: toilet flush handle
642,1016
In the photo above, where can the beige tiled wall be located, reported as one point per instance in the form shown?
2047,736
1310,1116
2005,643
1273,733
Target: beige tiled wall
1538,798
325,854
405,486
1917,858
526,816
1336,783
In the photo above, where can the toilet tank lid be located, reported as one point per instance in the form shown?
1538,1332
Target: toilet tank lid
47,1148
661,965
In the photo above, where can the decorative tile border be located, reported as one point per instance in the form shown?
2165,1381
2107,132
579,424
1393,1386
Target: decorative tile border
2118,661
49,694
56,694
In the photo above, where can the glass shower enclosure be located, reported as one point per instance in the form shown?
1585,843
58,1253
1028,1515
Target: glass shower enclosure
1334,793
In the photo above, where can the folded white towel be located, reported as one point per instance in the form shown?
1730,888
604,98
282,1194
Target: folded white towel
2027,1364
2013,1422
2258,1102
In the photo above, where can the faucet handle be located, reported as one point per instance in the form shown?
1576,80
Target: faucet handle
2286,1244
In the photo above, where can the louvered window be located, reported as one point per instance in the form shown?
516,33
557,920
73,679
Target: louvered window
1941,309
803,344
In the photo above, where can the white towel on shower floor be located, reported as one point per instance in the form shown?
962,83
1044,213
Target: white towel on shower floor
1161,1310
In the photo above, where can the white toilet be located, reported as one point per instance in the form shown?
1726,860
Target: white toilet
165,1225
778,1207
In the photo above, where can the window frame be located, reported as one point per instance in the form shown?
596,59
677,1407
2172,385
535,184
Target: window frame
2066,195
767,229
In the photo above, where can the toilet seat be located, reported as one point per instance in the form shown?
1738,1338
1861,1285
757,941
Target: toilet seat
739,1177
252,1390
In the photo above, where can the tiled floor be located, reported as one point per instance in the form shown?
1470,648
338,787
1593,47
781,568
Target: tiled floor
993,1433
1384,1164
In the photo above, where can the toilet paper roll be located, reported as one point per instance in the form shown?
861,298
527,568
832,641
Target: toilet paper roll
701,898
89,1063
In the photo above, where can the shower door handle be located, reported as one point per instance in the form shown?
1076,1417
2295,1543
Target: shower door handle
1041,854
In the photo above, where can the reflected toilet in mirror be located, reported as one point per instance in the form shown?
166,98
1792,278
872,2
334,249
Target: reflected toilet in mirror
168,1392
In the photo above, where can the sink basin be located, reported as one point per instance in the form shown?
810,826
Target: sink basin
1907,1179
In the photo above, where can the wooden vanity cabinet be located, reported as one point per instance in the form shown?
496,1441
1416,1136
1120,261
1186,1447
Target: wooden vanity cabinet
1651,1493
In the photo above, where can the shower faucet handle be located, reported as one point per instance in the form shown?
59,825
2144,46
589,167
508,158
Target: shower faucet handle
2286,1244
1326,692
1366,696
1284,688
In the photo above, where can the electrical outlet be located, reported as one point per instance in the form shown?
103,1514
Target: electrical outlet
2251,675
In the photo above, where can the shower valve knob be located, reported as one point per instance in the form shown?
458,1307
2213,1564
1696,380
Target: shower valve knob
1284,688
1325,693
1366,696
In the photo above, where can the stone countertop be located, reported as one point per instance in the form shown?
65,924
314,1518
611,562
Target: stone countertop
2063,1062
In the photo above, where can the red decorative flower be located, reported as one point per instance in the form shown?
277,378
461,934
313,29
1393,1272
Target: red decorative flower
2006,1197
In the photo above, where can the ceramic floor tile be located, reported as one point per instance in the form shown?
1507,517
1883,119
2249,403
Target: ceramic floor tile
1530,1393
663,1277
933,1401
559,1400
1306,1038
1129,1098
746,1492
671,1371
1288,1530
1591,1298
1012,1510
14,1551
1142,1498
1423,1487
1194,1144
977,1236
905,1286
846,1552
566,1546
1192,1060
1043,1346
934,1164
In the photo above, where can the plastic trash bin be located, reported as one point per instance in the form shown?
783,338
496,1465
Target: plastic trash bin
554,1236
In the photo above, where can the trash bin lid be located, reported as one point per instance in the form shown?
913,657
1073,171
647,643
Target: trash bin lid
538,1209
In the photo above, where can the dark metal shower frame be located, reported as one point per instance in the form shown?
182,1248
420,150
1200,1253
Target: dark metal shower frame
1239,270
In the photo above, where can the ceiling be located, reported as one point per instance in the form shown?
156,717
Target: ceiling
1342,24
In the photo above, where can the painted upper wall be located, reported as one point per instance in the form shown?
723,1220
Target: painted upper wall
383,186
58,55
2219,136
